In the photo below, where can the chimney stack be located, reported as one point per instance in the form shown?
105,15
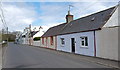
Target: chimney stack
69,17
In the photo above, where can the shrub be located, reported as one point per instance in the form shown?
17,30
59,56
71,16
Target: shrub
36,39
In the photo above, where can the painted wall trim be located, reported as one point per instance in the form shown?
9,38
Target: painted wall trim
94,44
56,43
80,31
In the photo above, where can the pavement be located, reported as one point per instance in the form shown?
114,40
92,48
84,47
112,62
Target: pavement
0,56
24,56
2,50
101,61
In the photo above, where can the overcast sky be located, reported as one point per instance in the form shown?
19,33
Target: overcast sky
20,14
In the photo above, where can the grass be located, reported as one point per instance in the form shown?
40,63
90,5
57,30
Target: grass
0,37
3,45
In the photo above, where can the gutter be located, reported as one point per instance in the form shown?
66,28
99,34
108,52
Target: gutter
94,44
80,31
56,43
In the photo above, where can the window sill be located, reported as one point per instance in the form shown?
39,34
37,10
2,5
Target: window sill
86,47
51,45
62,45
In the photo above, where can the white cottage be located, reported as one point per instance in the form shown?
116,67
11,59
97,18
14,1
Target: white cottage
92,35
27,36
49,38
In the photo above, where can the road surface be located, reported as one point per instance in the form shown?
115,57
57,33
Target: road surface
23,56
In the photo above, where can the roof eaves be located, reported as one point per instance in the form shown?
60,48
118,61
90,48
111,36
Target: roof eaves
80,31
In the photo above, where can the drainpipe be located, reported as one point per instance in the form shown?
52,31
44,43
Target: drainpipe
55,42
94,44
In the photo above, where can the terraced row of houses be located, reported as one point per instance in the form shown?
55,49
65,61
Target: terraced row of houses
94,35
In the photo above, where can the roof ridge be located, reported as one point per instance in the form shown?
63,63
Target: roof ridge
84,22
93,13
58,25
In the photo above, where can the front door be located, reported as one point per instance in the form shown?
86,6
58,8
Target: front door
73,44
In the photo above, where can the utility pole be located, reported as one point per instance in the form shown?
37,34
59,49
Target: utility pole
40,28
3,20
7,36
29,35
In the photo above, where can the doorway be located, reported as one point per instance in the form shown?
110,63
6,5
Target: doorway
73,44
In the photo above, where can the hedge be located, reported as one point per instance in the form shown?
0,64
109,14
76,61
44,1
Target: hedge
36,38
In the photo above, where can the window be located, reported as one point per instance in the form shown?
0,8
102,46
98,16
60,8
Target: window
93,19
84,41
43,41
51,40
62,41
46,41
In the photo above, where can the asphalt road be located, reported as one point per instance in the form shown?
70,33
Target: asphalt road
23,56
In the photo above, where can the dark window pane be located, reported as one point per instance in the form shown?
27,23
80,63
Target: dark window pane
62,41
51,40
82,38
82,43
86,41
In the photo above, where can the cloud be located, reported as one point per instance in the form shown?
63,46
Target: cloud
59,0
55,12
18,17
45,28
1,26
82,9
52,12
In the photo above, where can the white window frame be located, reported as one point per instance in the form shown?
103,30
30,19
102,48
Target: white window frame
82,39
62,41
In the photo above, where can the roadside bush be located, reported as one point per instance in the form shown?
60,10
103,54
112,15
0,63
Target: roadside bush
36,39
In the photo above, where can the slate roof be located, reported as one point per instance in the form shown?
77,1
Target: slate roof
88,23
33,33
53,30
91,22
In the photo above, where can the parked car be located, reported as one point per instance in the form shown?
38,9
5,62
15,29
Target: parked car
4,42
15,42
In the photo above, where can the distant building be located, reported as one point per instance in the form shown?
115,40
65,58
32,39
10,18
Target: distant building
27,36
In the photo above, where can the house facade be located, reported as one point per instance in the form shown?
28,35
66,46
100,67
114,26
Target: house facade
27,36
48,42
79,43
93,35
108,38
49,38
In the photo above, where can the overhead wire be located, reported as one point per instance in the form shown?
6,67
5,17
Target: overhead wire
4,24
2,14
87,8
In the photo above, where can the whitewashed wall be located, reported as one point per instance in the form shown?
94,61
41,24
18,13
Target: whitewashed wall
78,49
107,38
25,41
47,43
107,43
113,21
36,43
41,45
